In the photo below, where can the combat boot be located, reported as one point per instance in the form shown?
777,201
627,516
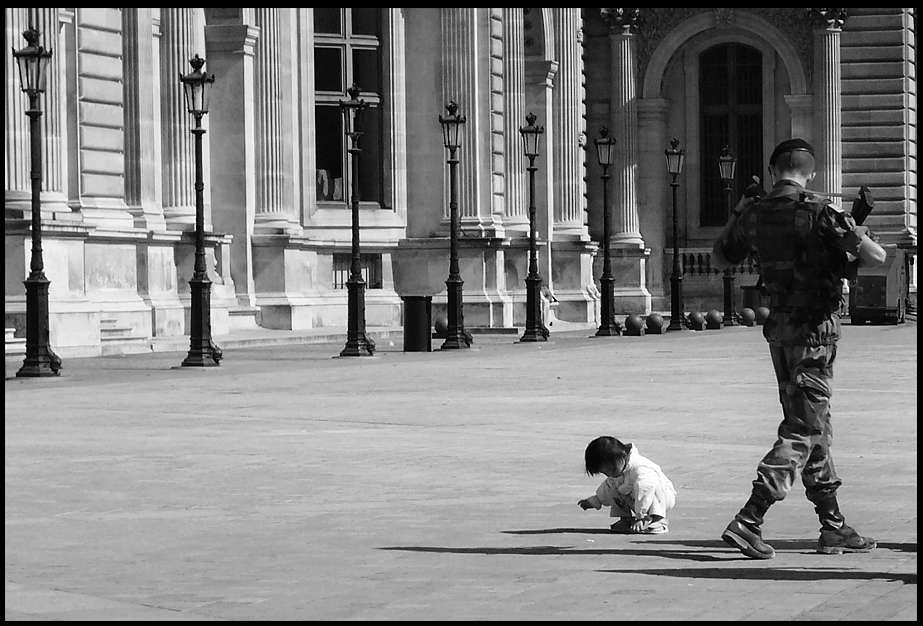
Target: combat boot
748,539
836,536
744,531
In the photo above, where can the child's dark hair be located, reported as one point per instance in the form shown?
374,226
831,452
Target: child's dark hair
605,451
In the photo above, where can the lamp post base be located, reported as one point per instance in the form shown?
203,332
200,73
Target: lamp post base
202,350
40,358
457,337
731,318
535,328
676,297
608,326
358,342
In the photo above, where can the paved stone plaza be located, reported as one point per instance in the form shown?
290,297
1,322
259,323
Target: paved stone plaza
287,484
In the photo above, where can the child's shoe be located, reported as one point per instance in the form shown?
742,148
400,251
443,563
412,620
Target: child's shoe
843,539
749,541
656,528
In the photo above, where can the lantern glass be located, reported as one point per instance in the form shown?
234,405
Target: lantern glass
197,87
675,158
33,63
353,111
604,147
727,164
451,124
531,136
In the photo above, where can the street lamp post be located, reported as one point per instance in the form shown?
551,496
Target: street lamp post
40,358
202,350
608,326
535,329
727,164
358,343
675,158
456,335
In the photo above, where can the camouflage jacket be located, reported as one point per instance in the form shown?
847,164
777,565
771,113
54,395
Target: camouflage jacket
799,243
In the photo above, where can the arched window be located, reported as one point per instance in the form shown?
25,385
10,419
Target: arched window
347,50
731,110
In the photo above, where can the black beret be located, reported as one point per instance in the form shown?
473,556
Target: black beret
790,146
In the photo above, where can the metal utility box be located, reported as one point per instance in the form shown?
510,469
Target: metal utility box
877,295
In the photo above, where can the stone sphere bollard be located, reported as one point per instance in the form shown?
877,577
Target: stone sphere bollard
713,319
747,317
696,321
634,325
761,314
655,324
441,326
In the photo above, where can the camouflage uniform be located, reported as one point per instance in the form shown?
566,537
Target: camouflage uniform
799,243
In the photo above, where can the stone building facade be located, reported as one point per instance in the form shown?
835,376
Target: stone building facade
118,202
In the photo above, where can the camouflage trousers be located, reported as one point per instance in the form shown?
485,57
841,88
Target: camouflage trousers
805,435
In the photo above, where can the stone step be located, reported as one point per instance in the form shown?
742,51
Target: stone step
109,329
14,345
243,317
122,344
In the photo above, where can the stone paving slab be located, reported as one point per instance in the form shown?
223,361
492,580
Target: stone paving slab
287,484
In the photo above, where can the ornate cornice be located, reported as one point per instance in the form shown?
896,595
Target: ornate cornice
620,21
829,19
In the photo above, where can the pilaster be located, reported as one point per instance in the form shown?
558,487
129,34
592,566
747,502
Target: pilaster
142,150
466,68
181,39
271,209
230,48
654,209
569,133
515,194
18,182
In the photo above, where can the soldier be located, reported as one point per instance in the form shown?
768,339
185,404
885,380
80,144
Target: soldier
803,246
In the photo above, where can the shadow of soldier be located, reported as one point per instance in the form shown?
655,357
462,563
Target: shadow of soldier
771,573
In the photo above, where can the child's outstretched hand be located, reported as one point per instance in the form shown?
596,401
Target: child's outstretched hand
585,504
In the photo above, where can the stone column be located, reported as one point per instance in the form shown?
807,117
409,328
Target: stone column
624,123
18,182
181,39
514,115
230,45
271,210
464,80
655,208
629,252
569,136
142,152
802,112
828,116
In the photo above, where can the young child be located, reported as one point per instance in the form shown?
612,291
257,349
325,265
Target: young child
636,489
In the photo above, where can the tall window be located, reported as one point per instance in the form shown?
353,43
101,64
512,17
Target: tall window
731,106
347,50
